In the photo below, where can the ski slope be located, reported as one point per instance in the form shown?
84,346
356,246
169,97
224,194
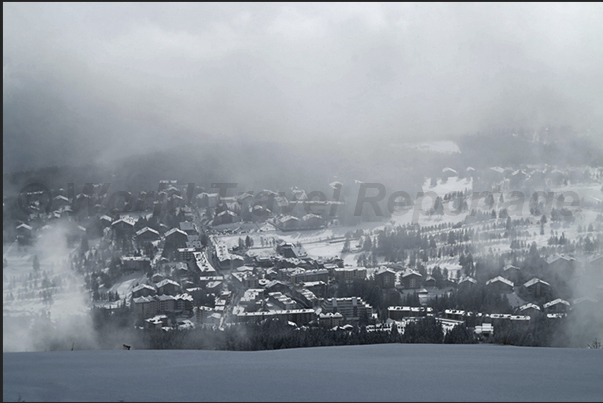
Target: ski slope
385,372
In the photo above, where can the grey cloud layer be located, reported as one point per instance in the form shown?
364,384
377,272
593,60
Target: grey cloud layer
85,81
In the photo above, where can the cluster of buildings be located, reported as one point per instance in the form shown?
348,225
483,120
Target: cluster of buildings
191,274
285,283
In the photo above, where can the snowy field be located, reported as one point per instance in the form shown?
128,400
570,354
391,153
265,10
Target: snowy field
394,372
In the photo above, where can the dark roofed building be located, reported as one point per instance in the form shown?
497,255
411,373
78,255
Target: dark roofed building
411,279
189,227
386,278
288,223
563,265
290,250
147,235
226,217
557,306
500,284
352,308
176,238
430,282
529,309
467,283
511,272
123,225
24,230
167,286
313,221
537,287
277,286
143,290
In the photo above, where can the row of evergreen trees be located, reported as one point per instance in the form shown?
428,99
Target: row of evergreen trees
276,334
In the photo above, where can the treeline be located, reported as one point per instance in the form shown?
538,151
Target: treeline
113,328
275,334
541,332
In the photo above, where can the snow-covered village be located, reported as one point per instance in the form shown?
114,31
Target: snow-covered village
467,261
217,201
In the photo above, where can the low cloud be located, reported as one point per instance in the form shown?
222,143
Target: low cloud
89,82
44,317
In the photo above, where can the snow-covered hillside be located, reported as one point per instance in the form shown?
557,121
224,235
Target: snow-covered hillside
386,372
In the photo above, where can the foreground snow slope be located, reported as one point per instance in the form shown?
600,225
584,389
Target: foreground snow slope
397,372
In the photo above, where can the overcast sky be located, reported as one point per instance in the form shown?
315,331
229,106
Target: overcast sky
84,81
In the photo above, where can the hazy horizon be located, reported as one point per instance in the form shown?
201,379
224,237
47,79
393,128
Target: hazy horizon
93,82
